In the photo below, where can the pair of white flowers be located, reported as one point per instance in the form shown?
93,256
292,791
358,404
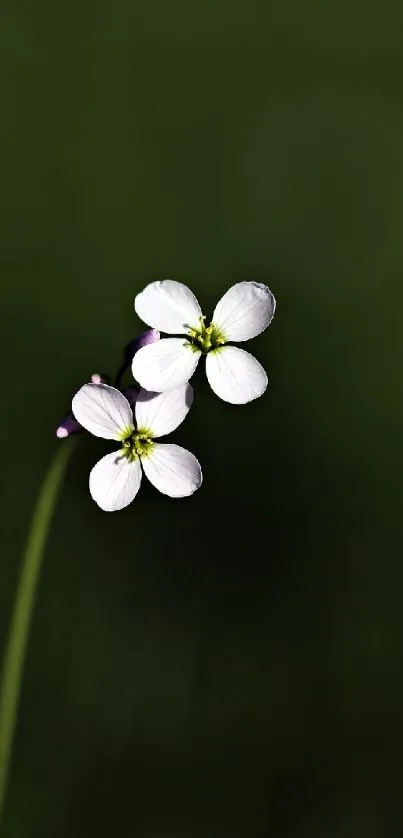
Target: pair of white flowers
163,369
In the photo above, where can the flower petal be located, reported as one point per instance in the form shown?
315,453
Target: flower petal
244,311
173,470
161,413
168,306
164,365
102,410
115,481
235,375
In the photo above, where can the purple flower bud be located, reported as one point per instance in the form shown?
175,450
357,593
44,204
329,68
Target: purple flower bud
131,394
149,336
68,426
97,378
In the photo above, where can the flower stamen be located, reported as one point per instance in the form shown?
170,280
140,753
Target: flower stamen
205,338
137,444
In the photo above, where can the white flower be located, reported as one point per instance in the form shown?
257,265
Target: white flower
115,479
242,313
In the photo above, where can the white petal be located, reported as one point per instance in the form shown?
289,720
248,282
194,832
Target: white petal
168,306
102,410
165,364
173,470
115,481
235,375
161,413
244,311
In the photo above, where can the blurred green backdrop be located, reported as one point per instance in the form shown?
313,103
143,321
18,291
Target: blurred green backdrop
229,665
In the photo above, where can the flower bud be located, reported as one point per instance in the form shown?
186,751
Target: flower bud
149,336
97,378
68,426
131,394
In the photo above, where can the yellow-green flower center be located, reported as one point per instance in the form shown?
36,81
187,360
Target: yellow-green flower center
136,443
205,338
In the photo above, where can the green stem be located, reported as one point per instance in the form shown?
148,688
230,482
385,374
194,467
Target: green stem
16,645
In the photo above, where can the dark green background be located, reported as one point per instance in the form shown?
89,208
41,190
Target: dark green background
231,664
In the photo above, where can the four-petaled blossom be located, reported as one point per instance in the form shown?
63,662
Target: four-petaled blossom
115,479
242,313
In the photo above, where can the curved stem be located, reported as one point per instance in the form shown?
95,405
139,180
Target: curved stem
16,644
